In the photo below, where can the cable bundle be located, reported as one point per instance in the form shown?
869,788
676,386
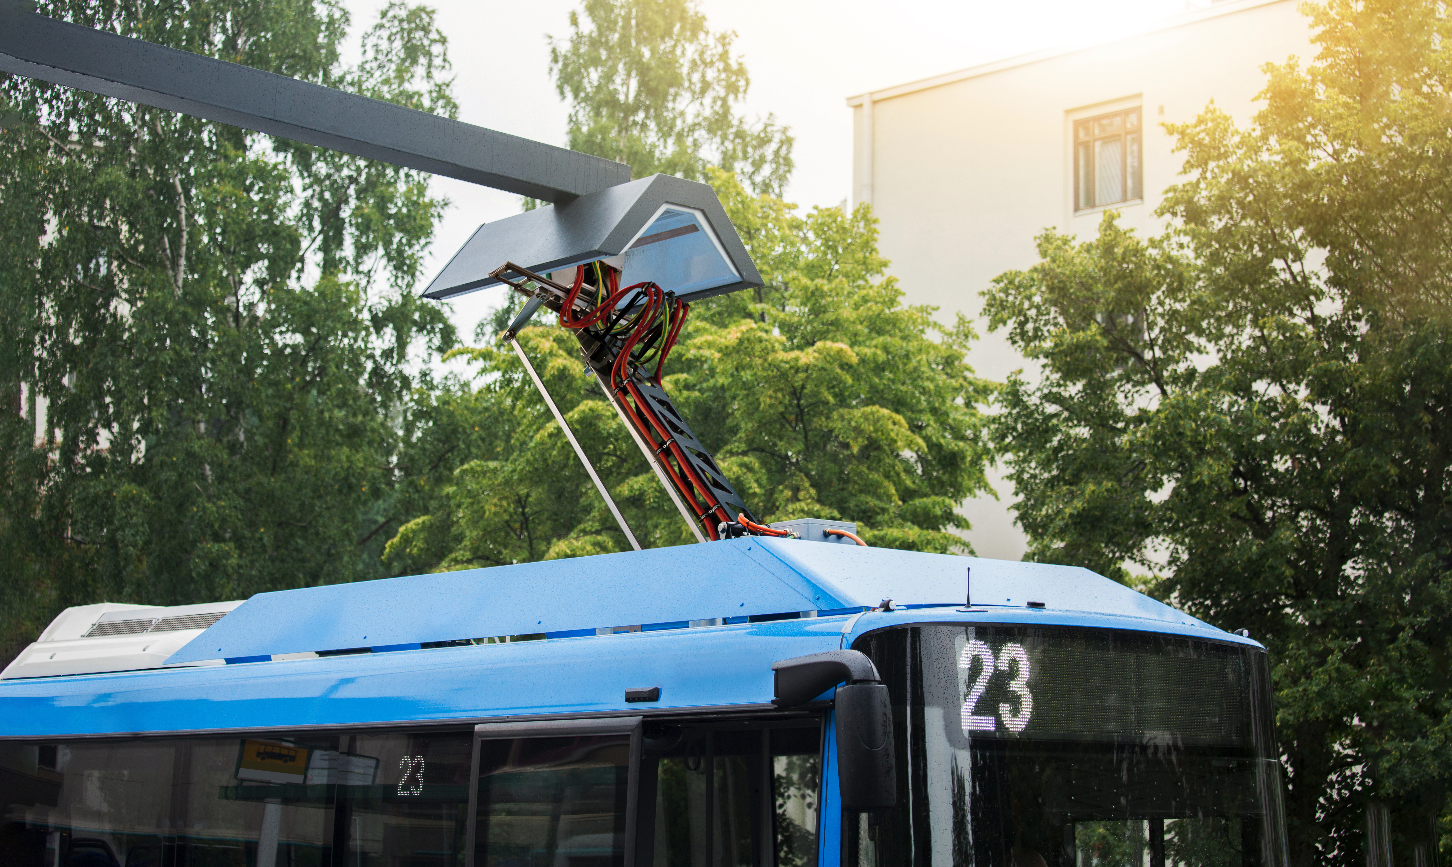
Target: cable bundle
641,324
650,322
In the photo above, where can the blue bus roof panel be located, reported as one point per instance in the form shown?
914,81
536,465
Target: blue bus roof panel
710,667
737,578
691,582
869,575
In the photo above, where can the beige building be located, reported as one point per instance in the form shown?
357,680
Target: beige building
964,169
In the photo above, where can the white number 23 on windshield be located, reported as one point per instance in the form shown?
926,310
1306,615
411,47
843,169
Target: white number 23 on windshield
1011,660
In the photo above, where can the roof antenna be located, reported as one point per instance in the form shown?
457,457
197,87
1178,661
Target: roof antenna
968,587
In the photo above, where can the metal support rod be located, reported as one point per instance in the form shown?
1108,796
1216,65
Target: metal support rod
651,459
570,435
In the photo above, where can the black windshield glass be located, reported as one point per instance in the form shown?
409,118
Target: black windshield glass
1058,747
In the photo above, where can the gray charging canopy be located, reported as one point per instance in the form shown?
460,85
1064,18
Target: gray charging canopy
664,229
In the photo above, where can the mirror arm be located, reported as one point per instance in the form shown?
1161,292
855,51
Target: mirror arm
866,767
802,678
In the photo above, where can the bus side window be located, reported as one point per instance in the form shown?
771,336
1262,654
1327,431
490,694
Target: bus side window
733,795
366,800
796,756
552,801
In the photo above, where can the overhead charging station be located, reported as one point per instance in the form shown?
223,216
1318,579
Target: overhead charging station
618,261
620,267
660,229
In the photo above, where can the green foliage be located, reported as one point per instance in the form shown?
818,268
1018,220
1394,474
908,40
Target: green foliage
213,325
822,396
825,395
651,86
522,495
1254,414
1106,320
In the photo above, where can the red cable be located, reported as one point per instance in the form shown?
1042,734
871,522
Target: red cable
645,320
675,448
665,464
852,536
621,369
761,529
704,491
621,373
567,310
682,308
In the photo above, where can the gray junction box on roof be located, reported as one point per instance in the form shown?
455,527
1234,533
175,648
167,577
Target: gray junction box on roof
815,529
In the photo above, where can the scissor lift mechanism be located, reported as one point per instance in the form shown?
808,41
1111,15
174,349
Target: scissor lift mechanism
622,330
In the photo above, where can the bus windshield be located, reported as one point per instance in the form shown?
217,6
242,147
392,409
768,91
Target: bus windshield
1066,747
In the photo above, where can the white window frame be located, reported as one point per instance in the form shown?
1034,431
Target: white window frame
1072,118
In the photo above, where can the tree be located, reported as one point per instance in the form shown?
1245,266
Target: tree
820,396
1252,416
211,329
824,394
651,86
521,494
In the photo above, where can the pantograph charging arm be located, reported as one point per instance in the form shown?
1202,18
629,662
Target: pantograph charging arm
625,335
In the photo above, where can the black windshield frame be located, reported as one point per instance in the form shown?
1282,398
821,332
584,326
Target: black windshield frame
959,790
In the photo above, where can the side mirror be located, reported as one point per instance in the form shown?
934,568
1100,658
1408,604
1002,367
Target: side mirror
866,770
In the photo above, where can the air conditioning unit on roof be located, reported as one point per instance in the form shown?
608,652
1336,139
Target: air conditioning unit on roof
110,636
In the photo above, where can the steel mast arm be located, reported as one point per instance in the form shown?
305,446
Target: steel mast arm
93,60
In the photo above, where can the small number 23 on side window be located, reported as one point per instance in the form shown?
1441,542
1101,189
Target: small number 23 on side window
1011,660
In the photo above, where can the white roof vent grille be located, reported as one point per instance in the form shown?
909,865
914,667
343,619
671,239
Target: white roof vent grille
107,636
134,626
119,627
187,621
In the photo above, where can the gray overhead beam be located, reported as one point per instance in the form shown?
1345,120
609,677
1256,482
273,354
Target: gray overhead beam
61,53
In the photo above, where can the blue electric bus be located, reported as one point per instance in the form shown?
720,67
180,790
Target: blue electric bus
661,707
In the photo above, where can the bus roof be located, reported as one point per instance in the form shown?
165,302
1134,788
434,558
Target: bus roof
626,619
727,580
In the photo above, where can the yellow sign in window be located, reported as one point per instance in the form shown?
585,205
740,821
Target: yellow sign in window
272,762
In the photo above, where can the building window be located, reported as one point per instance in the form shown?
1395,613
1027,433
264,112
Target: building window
1107,160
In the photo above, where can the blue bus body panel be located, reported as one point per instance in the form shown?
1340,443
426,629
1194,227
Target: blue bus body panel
693,667
738,578
660,585
658,592
713,667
